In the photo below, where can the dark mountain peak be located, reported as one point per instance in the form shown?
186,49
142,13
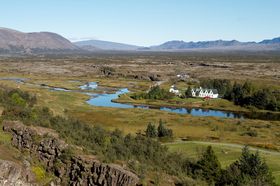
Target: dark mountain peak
174,41
176,44
271,41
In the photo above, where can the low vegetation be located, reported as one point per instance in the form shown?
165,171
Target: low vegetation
142,154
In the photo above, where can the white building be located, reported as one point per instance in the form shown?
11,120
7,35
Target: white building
205,93
174,90
183,76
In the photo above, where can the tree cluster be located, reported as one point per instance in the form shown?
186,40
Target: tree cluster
160,131
245,94
249,169
222,85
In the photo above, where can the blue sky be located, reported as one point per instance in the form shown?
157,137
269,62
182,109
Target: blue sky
145,22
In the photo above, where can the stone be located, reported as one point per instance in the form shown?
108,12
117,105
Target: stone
13,174
80,170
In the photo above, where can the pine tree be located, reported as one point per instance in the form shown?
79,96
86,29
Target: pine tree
151,131
252,166
162,131
188,92
250,169
210,166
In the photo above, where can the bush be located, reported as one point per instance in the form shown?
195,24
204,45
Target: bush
151,131
163,131
39,172
251,133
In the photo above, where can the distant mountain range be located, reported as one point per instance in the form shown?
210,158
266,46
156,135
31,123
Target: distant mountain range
16,42
265,45
217,45
104,45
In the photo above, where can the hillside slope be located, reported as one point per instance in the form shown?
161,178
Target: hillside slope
12,41
105,45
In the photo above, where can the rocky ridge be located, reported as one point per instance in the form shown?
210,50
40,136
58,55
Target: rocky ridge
44,144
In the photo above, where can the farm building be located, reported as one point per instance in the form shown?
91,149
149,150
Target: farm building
205,93
174,90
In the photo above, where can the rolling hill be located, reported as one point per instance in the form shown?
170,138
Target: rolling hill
105,45
16,42
12,41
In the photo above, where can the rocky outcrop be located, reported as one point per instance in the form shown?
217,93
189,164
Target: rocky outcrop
71,170
13,174
89,171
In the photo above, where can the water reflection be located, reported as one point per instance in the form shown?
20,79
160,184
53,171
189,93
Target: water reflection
105,100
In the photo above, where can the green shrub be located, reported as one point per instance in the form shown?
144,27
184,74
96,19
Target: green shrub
39,172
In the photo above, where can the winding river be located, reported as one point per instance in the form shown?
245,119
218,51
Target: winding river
105,100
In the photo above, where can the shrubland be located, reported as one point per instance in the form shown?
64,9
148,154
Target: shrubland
142,153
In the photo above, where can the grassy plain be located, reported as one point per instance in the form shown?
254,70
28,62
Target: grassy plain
70,73
226,153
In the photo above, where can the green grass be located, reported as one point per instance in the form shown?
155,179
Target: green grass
39,172
42,177
7,151
226,154
5,138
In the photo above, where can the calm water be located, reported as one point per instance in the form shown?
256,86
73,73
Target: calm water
105,100
15,79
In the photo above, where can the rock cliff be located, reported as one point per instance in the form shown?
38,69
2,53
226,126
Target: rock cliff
74,170
13,174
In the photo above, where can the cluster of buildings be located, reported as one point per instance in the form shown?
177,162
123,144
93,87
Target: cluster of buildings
197,92
205,93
